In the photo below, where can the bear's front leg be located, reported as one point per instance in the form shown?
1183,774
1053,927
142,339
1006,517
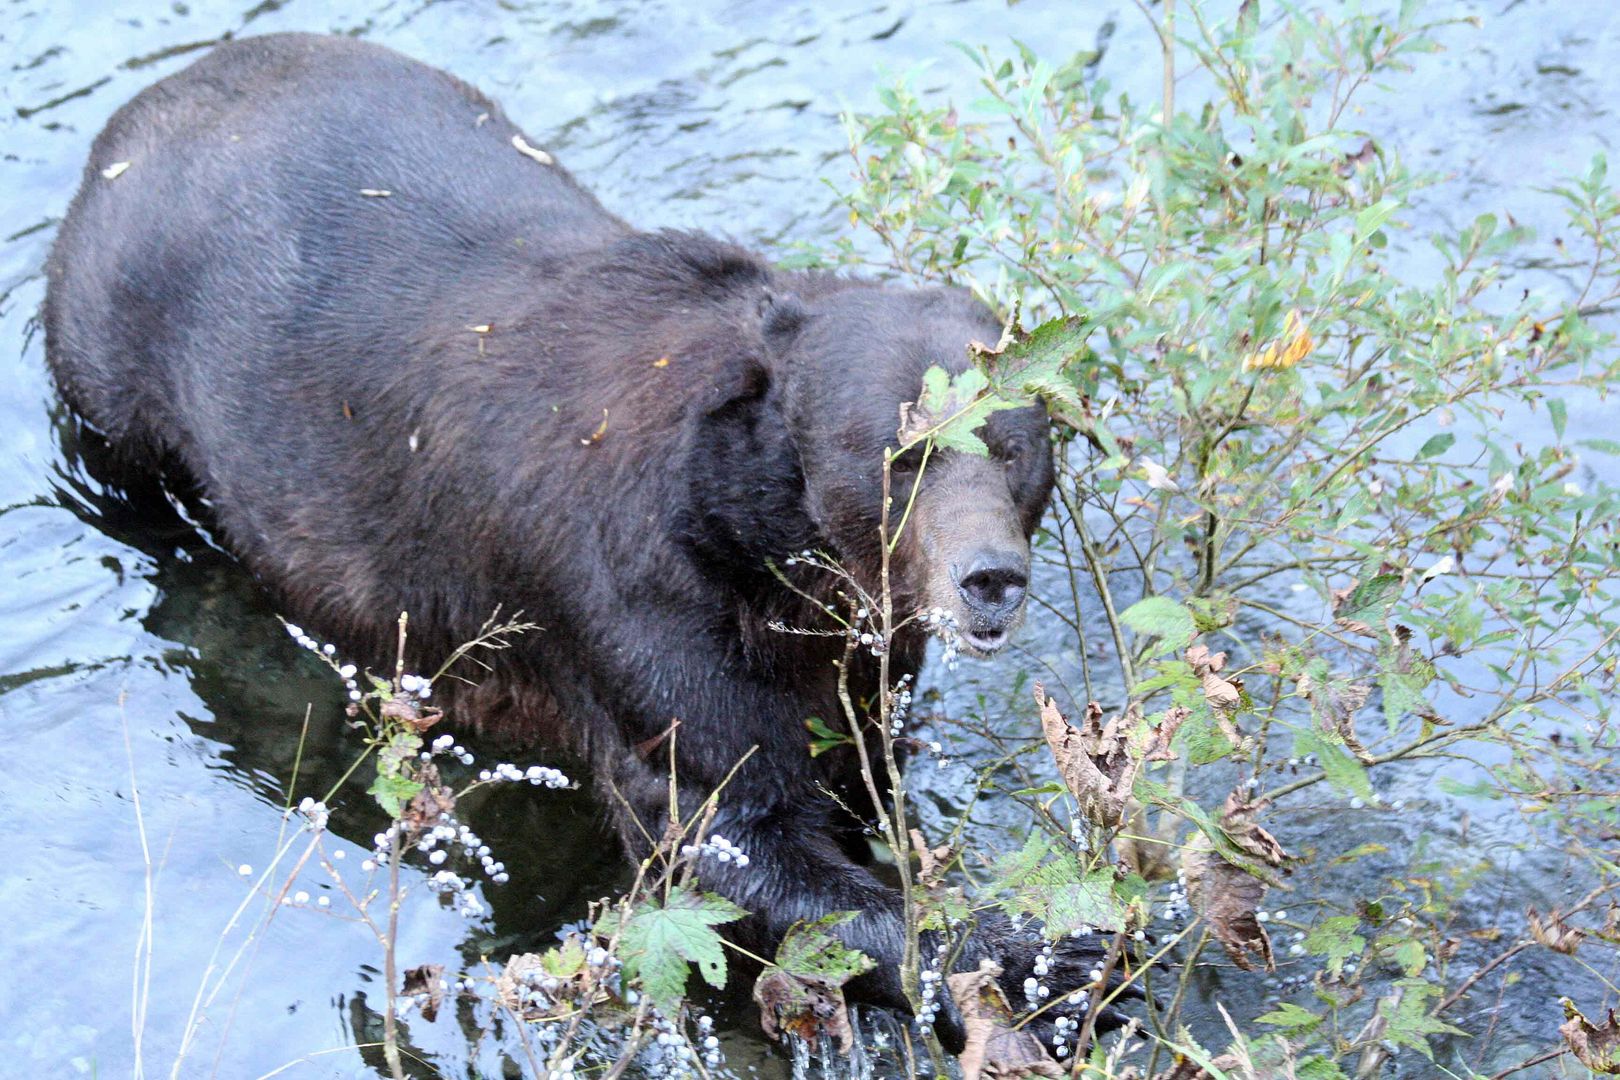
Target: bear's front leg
795,871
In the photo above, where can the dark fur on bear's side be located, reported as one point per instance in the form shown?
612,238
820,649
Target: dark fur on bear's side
233,305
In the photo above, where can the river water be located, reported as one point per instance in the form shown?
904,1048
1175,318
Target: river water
138,662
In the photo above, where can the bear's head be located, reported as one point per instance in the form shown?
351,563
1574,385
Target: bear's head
841,359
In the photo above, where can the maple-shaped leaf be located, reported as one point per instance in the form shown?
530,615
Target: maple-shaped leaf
658,942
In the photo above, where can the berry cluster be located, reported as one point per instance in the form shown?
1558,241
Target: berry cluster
718,846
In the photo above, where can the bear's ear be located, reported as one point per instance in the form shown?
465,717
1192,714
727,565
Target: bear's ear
782,316
748,493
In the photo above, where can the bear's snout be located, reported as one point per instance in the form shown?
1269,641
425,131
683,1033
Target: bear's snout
993,588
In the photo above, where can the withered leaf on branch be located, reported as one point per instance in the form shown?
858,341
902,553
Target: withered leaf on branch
536,985
1158,748
407,711
995,1050
1335,705
425,980
1553,932
804,1006
1222,694
1598,1048
1227,895
435,798
1095,760
803,992
933,862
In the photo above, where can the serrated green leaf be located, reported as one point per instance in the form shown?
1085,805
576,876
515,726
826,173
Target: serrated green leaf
1410,955
1163,618
1037,364
1370,601
392,792
1318,1068
1409,1021
1287,1015
812,950
1087,902
1336,939
659,941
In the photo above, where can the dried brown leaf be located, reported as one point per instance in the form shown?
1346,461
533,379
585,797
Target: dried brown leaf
1598,1048
1238,820
804,1005
995,1050
932,861
407,711
1095,760
425,980
515,984
1554,932
426,806
1222,694
1335,707
1227,895
1159,748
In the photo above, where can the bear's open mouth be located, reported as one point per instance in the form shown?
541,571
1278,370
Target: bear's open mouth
986,642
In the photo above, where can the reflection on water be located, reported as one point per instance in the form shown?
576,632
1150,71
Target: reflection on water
137,659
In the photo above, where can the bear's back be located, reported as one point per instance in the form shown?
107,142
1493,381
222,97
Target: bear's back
280,188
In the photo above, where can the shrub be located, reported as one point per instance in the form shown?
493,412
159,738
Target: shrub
1323,517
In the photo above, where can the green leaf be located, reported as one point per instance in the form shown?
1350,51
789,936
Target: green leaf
1014,868
1163,618
1409,954
659,941
1371,219
1336,938
1290,1016
392,792
1202,737
1409,1019
1370,601
950,410
1318,1068
1342,769
812,950
1087,902
1038,364
1560,416
566,960
825,738
1060,891
1437,445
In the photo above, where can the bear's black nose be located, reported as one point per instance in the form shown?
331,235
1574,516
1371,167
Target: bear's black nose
994,585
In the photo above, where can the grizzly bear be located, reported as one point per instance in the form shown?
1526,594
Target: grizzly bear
410,364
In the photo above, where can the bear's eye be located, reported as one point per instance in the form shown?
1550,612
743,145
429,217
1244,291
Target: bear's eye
1013,450
908,462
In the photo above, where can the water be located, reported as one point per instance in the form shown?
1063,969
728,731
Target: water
137,659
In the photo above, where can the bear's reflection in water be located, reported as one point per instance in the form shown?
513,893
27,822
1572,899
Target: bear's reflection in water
258,686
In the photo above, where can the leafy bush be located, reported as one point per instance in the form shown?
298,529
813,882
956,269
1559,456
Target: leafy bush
1275,445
